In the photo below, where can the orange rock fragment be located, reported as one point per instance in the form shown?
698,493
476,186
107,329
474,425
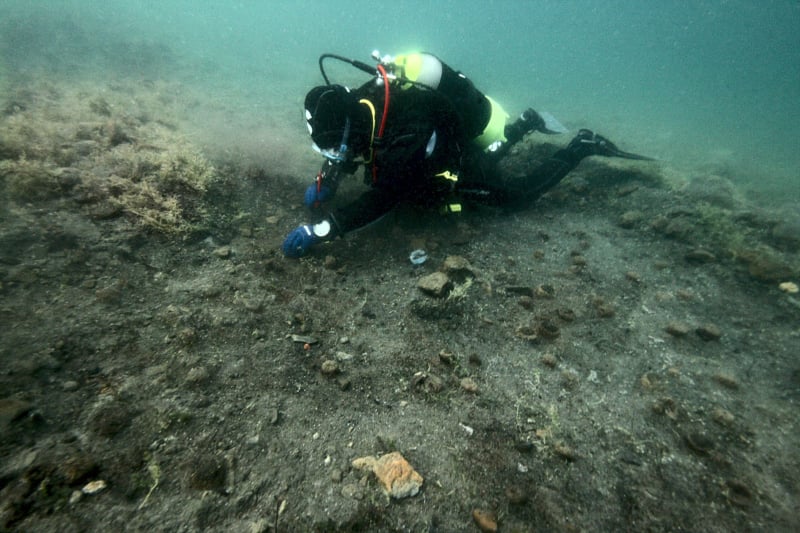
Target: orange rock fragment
397,477
485,520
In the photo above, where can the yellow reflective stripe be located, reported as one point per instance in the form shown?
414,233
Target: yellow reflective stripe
448,175
495,129
372,134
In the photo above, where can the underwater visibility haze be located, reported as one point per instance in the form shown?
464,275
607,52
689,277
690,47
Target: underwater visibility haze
709,82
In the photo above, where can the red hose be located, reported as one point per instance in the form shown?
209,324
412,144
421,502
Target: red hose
383,118
385,99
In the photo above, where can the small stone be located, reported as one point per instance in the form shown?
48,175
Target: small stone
723,416
544,291
436,284
699,256
630,219
430,383
469,385
564,451
446,357
578,260
549,360
330,367
69,386
343,356
485,520
93,487
565,314
708,332
789,287
605,310
678,329
726,380
526,302
547,329
699,442
457,267
196,375
223,252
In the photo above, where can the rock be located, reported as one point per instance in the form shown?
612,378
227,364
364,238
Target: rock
430,383
766,266
397,477
630,219
578,260
436,284
330,367
789,287
679,228
723,416
547,329
787,232
12,409
110,419
196,375
544,292
93,487
713,189
457,268
526,302
678,329
223,252
485,520
469,385
700,256
708,332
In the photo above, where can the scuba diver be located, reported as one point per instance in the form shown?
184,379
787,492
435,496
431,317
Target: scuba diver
424,135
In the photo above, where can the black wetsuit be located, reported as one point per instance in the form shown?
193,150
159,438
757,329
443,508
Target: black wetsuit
428,133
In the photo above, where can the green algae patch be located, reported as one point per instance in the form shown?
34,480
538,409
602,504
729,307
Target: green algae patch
114,151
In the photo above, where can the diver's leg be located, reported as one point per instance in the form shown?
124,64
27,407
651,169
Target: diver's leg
486,186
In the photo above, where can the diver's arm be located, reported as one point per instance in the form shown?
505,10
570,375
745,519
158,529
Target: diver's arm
367,208
327,181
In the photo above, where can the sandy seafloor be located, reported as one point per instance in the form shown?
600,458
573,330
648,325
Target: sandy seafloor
622,356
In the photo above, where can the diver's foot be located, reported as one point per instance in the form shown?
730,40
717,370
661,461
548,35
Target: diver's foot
532,120
587,143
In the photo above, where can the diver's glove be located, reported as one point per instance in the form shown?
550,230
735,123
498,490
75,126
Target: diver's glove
588,143
298,242
316,194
